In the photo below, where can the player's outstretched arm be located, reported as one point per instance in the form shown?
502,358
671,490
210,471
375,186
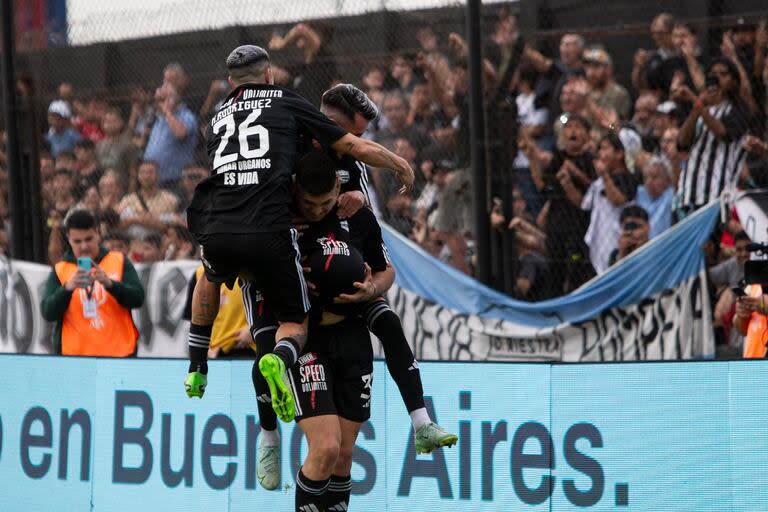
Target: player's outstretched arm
375,155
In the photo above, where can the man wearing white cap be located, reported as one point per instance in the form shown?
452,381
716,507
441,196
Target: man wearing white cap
606,93
61,136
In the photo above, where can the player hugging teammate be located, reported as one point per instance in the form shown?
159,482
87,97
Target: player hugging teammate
254,142
349,270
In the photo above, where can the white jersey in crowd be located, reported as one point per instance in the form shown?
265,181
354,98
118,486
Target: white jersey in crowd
714,164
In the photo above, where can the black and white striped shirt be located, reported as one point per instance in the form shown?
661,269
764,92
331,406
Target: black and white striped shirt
714,164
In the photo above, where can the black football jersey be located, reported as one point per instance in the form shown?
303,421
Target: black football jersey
333,236
353,175
253,142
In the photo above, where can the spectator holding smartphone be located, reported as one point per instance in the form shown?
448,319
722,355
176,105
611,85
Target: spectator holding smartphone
634,232
614,188
714,131
90,294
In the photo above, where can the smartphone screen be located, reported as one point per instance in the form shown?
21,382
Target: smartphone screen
84,263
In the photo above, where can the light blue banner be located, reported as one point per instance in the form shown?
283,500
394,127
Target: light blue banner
121,436
663,263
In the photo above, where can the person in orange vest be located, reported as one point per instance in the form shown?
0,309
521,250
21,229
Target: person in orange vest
90,294
751,320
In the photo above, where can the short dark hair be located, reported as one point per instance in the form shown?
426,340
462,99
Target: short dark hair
576,118
120,236
316,173
246,55
349,100
66,154
79,219
690,27
152,238
613,139
408,57
110,218
153,163
635,211
528,74
741,235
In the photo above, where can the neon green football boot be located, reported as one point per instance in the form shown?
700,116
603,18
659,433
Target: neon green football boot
273,370
195,384
431,436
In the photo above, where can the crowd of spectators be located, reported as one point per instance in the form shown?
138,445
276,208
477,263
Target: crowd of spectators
602,174
136,173
587,166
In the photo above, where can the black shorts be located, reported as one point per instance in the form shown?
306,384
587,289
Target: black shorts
271,261
334,374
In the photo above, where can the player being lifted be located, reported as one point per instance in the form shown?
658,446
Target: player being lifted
240,215
333,378
352,110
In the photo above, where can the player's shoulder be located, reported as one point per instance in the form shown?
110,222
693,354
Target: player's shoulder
363,218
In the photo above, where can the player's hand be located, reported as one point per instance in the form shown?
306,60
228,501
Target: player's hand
98,274
404,174
80,279
349,203
213,352
243,338
311,288
366,290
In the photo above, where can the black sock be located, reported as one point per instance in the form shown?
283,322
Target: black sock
402,366
267,416
287,349
310,493
199,340
337,495
265,343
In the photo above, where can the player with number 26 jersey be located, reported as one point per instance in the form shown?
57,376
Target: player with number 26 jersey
253,142
240,214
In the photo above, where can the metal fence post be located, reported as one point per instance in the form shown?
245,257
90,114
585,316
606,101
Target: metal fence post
478,145
16,195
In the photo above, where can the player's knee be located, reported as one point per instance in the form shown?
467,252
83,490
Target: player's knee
344,461
326,452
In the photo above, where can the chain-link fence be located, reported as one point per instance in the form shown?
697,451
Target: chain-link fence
607,122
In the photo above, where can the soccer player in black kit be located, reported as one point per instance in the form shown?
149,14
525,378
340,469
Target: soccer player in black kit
352,110
333,378
240,215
